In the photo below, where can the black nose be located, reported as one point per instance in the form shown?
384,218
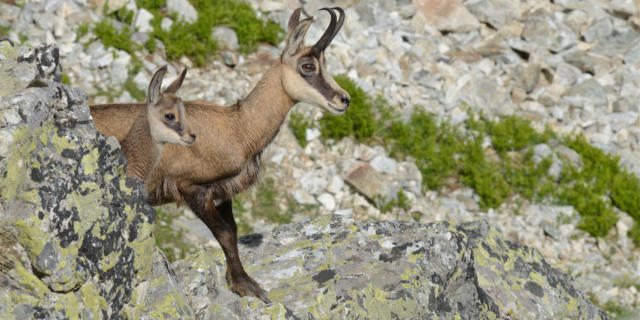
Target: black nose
192,135
345,101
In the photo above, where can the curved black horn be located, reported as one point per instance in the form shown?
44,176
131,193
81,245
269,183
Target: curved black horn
339,24
328,34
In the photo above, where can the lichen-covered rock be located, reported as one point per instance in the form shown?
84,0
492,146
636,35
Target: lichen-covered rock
76,233
335,268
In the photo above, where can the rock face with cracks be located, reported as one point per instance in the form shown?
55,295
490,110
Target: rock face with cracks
76,241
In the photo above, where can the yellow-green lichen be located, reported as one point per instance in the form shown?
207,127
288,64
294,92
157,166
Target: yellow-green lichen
68,304
90,162
376,305
92,301
31,235
29,283
170,306
23,145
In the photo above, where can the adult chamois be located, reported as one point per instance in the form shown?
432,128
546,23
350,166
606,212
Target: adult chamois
225,159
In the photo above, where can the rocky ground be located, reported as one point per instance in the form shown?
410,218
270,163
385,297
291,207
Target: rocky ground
570,65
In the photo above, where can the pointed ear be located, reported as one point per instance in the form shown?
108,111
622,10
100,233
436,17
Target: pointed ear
176,84
294,20
296,36
153,94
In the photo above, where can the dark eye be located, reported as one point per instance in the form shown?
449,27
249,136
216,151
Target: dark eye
308,67
170,116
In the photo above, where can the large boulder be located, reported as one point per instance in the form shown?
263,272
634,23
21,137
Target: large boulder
335,268
76,240
76,234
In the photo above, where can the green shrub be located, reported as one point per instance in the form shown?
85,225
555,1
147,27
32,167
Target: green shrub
483,175
194,39
112,37
299,125
513,134
432,145
625,193
4,31
358,120
185,39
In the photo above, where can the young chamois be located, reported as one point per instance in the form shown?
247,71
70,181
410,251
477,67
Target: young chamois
225,159
162,120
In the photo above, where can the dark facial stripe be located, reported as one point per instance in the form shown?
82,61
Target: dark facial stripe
317,81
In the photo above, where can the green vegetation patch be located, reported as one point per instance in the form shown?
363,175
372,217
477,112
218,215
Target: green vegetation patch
501,171
112,37
4,31
194,39
169,238
299,125
358,120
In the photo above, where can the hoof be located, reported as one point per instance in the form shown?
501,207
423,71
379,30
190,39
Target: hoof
246,287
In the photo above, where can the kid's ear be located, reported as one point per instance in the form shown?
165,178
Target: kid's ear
153,94
176,84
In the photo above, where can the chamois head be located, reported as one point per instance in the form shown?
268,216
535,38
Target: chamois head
166,113
305,75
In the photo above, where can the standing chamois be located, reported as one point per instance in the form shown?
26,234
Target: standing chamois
162,120
225,159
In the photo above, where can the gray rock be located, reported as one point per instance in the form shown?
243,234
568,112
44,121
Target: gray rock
327,201
142,21
8,13
548,31
574,158
589,92
226,38
17,74
620,120
314,181
486,95
45,20
587,62
367,181
566,75
497,13
384,164
166,24
447,15
184,9
600,30
353,270
85,229
335,184
407,11
304,198
528,76
632,55
229,59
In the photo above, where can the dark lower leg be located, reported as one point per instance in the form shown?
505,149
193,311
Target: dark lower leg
236,273
221,223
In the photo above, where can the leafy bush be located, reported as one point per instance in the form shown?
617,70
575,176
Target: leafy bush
357,120
194,39
112,37
299,125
